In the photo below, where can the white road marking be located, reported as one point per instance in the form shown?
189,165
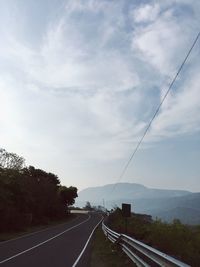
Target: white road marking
86,244
36,232
40,244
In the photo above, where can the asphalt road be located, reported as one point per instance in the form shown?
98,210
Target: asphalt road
58,246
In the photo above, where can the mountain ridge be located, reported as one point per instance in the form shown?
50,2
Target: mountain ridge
126,190
165,204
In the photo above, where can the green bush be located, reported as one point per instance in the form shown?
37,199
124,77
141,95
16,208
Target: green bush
176,239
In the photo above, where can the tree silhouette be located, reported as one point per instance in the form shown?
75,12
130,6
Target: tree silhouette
10,160
29,195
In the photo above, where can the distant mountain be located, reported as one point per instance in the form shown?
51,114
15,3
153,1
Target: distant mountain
125,191
184,214
161,203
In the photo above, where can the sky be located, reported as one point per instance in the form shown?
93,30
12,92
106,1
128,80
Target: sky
81,79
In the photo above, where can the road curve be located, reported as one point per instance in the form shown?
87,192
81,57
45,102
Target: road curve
58,246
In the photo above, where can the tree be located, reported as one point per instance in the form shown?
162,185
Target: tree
68,195
88,206
30,196
43,190
11,160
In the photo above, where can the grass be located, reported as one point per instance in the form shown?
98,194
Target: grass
106,254
15,234
175,239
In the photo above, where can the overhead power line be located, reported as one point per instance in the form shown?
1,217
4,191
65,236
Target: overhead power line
157,110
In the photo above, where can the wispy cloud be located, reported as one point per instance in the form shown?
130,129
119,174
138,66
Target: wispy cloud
91,80
162,41
146,13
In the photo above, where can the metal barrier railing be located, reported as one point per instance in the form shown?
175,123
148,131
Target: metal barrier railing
140,253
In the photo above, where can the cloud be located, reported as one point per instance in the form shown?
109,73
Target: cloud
87,87
157,44
180,115
87,6
161,43
146,13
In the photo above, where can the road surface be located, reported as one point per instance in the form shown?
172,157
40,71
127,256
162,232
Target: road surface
58,246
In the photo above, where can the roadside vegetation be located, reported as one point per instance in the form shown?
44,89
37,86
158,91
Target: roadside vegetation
176,239
106,254
29,196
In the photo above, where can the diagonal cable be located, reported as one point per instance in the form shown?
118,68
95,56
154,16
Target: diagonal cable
157,110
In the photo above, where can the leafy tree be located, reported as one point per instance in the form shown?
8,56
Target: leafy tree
10,160
68,195
29,195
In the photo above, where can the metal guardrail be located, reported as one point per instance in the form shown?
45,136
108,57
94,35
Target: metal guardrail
140,253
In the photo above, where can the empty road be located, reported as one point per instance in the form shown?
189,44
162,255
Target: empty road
58,246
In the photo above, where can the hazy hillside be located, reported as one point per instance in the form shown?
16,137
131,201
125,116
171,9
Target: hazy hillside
125,191
161,203
184,214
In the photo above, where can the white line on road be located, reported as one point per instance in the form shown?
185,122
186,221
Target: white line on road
37,232
86,244
40,244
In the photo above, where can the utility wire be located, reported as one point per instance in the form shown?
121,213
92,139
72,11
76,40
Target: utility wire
157,110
